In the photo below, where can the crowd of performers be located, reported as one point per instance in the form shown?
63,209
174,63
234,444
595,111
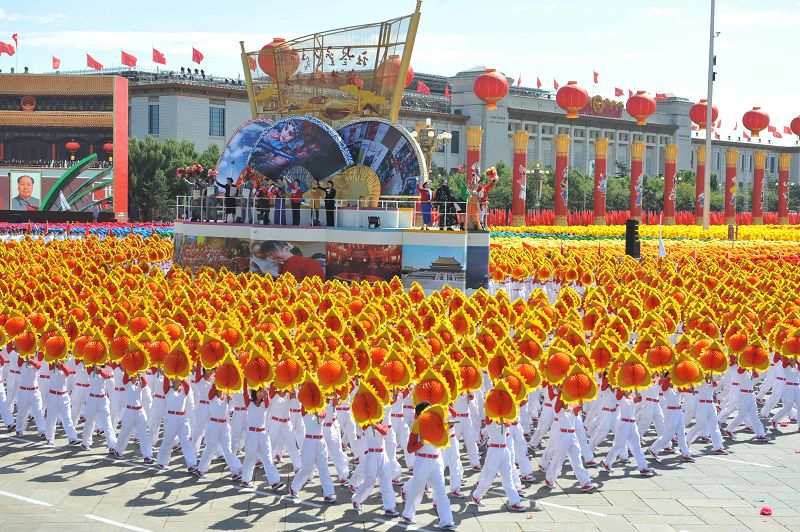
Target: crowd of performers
265,428
466,208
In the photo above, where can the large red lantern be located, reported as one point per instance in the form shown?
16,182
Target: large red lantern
572,98
109,149
72,147
491,87
287,56
755,120
698,113
640,106
795,125
387,71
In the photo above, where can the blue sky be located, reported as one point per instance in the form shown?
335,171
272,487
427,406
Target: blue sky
659,46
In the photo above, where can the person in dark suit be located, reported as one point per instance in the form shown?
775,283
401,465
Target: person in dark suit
330,204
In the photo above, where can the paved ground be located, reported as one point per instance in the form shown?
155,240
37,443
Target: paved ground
64,489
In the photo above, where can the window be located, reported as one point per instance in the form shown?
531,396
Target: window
152,120
216,121
456,111
455,142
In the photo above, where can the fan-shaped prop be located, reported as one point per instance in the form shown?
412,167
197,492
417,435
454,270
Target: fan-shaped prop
300,141
389,150
356,182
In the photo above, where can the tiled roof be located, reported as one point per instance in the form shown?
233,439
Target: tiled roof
40,85
56,119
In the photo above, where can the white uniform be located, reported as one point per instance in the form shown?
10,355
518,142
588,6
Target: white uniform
134,420
58,406
566,446
626,437
428,469
314,455
497,461
280,432
218,436
791,394
29,400
176,426
746,405
706,423
158,407
674,424
257,446
333,440
80,392
97,411
201,417
374,466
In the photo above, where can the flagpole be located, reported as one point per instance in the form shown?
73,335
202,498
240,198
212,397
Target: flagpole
709,123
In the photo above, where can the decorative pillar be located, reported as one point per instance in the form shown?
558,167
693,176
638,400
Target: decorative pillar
637,180
519,187
474,136
562,183
600,180
699,196
2,149
53,151
759,163
784,160
731,162
670,169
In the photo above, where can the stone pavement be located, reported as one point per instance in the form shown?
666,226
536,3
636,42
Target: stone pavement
65,489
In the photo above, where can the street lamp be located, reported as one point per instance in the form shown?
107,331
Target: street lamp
430,141
539,174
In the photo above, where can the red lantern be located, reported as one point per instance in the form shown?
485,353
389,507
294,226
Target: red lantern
698,113
640,106
109,149
795,125
755,120
288,58
491,87
387,71
572,98
72,147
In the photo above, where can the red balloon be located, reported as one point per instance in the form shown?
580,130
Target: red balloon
572,98
640,106
491,87
698,113
755,120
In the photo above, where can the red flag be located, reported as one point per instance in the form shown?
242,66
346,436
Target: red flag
538,83
618,91
519,80
56,63
694,127
92,63
719,124
660,96
15,36
595,76
159,58
251,62
777,135
744,133
128,59
630,93
555,84
772,129
197,57
787,130
422,88
736,125
6,48
716,135
447,92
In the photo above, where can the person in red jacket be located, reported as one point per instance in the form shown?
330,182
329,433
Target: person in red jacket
425,196
298,265
295,198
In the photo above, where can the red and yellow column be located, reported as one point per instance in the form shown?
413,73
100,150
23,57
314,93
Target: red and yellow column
474,137
731,162
699,185
519,187
637,180
670,169
600,180
562,183
784,160
759,163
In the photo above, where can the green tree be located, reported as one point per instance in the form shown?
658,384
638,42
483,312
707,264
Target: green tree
653,194
618,193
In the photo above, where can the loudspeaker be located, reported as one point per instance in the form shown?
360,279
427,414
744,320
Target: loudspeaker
632,243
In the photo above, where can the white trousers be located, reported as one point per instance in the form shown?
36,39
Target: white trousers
257,447
314,458
497,462
98,416
134,422
428,471
374,467
29,402
58,409
218,441
177,427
